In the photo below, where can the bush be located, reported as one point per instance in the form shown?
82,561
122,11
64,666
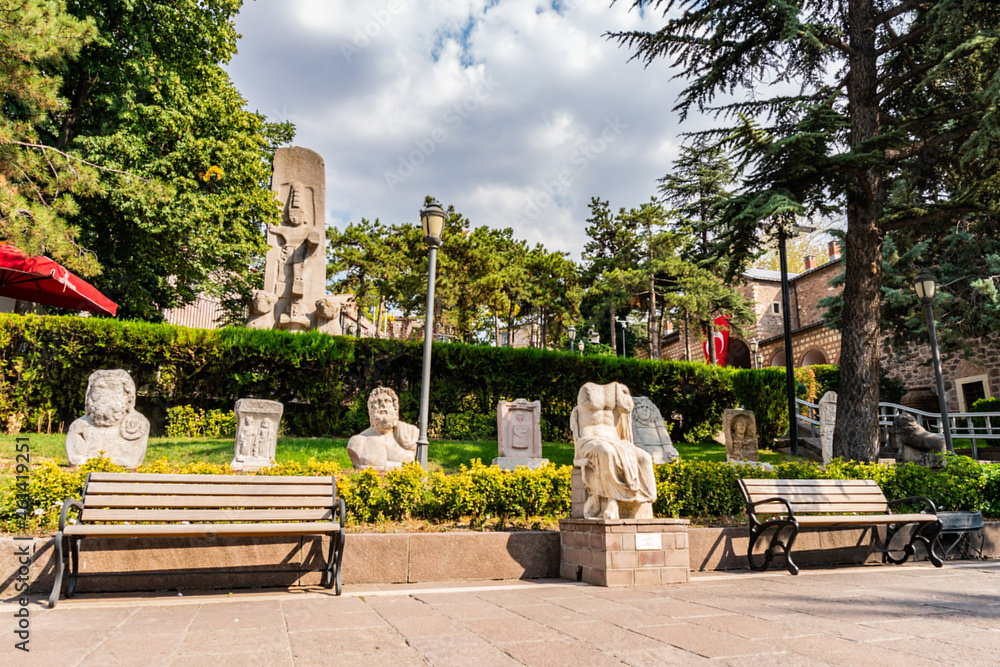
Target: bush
764,392
187,421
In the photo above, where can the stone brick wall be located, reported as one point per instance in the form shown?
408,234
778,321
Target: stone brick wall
808,289
625,552
914,367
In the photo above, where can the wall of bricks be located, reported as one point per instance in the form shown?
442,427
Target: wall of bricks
914,367
626,552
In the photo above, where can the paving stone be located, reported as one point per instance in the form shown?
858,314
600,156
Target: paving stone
148,651
608,638
941,652
322,644
159,620
703,641
269,657
558,654
663,655
749,628
239,615
503,631
460,650
847,653
422,626
221,642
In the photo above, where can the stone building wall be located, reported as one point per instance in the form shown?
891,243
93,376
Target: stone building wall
964,378
808,290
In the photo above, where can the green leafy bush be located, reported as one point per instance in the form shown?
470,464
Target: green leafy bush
187,421
764,392
470,426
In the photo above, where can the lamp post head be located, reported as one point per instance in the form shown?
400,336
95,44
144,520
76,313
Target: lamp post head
571,332
924,285
754,345
580,346
432,219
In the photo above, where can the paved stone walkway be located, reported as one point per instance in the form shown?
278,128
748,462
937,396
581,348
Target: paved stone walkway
873,615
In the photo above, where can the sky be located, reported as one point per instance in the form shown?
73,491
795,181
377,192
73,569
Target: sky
516,112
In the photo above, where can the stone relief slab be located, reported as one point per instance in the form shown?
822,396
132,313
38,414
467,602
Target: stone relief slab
257,422
650,431
519,434
827,423
388,443
617,476
740,427
111,424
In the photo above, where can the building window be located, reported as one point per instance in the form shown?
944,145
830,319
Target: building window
970,390
776,307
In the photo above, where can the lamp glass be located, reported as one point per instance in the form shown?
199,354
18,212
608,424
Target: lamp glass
753,345
432,219
580,346
571,332
925,286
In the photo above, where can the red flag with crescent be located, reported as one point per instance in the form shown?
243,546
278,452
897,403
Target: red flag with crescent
720,338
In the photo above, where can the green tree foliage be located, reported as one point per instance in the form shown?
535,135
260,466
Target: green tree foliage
885,110
184,186
39,186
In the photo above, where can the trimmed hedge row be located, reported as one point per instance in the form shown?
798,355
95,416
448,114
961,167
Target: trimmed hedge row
324,381
692,489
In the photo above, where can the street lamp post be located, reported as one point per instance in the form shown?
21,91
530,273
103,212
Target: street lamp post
753,352
572,335
624,324
925,287
432,220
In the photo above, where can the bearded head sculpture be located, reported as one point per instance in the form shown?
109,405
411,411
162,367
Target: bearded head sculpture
110,397
383,409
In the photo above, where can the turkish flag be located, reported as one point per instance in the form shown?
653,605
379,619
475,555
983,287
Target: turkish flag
721,340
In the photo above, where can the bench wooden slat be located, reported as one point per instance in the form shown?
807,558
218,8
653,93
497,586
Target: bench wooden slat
94,501
206,515
124,477
824,497
863,520
828,508
764,481
108,488
196,530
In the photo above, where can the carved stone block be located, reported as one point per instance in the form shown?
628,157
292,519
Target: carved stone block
519,434
257,422
650,431
740,427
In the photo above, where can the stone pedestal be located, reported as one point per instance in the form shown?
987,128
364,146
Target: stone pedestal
624,552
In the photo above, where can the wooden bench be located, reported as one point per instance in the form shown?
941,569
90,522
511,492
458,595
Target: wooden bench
149,505
830,503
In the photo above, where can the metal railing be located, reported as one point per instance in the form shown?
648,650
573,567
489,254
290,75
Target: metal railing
972,426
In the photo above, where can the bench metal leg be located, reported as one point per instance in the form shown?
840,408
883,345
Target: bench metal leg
61,554
757,531
927,533
74,570
331,577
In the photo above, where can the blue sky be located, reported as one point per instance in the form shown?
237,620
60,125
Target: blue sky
516,112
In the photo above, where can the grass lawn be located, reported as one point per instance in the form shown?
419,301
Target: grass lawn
442,454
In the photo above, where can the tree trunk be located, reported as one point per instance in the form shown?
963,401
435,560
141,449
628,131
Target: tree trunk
378,316
856,433
687,337
543,334
496,330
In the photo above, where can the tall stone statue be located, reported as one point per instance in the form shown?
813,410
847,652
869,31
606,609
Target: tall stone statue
617,475
295,265
257,423
650,432
388,443
111,423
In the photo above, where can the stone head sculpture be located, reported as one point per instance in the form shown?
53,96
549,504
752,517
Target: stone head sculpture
383,409
327,308
110,397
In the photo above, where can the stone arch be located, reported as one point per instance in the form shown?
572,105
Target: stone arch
738,355
813,357
778,359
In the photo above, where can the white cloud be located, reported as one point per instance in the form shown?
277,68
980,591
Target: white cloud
512,111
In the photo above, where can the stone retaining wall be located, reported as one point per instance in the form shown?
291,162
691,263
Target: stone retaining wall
392,558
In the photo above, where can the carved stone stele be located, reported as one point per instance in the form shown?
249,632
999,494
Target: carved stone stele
649,431
295,264
111,424
257,422
740,427
617,476
388,443
519,434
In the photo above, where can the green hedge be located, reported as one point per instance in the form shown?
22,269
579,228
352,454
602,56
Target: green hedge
323,381
700,490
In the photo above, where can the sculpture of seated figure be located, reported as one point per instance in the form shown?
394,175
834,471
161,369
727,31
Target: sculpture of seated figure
617,474
388,443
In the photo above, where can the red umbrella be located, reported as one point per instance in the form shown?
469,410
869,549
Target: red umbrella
41,280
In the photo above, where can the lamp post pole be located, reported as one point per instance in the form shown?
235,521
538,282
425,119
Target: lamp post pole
753,353
925,287
624,324
432,219
793,422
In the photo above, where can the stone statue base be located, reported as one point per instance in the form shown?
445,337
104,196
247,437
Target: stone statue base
251,465
512,462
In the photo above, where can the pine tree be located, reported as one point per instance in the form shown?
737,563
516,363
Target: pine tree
875,106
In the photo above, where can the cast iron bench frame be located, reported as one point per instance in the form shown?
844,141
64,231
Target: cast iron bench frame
152,505
831,503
